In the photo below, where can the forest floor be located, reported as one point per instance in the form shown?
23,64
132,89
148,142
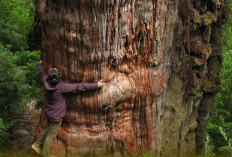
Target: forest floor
22,134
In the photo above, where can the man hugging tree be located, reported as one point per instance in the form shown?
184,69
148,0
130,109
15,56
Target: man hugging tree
55,105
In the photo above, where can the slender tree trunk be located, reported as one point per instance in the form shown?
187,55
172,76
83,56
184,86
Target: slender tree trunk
159,59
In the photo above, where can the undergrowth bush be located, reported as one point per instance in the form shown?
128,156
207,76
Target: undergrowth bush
3,132
19,83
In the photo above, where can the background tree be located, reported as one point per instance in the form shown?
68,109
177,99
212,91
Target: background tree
160,61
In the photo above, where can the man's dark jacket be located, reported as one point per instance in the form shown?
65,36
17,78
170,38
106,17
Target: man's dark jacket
55,98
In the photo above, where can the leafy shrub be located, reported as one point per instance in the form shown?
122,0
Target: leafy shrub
3,132
11,87
27,61
17,17
19,81
225,151
220,121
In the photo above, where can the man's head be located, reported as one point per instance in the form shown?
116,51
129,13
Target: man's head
54,76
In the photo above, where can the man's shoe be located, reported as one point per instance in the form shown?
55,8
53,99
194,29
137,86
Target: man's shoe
36,149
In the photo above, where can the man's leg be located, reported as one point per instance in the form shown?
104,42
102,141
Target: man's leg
53,129
40,141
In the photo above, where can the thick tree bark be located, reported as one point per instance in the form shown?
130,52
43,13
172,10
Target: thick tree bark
160,60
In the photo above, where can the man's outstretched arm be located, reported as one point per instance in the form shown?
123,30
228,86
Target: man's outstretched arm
73,88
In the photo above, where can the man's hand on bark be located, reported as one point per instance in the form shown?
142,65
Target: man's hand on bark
100,84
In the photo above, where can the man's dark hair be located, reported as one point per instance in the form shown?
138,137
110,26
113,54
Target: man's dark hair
54,76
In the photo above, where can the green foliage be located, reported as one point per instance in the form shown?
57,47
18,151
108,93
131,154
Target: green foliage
16,23
3,132
27,61
220,121
10,88
228,29
225,151
19,81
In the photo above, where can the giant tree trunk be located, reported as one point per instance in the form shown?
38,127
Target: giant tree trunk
159,59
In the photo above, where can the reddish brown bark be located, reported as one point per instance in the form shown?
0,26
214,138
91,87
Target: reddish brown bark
155,57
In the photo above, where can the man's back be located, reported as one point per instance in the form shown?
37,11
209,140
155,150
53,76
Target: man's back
55,99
